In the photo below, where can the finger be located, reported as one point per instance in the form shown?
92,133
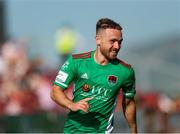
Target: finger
84,104
83,108
87,99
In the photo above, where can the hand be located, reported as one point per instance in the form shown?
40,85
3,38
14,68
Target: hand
80,105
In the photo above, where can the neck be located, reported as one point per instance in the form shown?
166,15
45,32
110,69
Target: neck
100,58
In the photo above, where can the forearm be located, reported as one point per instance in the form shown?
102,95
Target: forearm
57,94
130,114
60,98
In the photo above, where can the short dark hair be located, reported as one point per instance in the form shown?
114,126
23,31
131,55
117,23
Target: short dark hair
105,23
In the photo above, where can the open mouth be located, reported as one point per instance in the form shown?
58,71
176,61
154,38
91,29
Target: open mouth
114,52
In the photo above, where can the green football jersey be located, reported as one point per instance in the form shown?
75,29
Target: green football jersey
103,83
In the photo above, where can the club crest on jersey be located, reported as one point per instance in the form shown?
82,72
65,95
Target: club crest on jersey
112,80
86,87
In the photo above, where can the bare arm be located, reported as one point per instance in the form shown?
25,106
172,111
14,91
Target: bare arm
129,108
58,95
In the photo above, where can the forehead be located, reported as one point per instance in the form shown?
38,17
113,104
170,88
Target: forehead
109,34
112,33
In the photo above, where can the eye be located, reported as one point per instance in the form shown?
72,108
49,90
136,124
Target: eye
112,41
120,41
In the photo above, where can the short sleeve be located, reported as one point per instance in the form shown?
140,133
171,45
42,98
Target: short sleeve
128,87
66,74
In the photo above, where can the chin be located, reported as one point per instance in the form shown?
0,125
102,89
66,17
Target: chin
112,57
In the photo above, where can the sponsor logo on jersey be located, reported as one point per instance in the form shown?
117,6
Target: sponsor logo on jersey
112,80
86,87
97,92
84,76
62,76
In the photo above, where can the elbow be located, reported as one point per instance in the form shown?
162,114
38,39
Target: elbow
52,95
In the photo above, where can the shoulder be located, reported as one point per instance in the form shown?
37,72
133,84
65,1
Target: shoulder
82,55
124,64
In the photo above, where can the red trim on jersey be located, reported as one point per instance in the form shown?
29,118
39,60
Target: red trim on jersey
124,63
82,56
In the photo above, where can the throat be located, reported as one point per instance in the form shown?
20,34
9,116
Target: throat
100,59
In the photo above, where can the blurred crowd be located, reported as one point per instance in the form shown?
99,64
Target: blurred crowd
160,112
25,83
25,86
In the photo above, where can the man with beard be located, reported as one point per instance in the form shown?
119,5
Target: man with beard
98,76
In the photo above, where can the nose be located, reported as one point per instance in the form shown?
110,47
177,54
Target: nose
117,45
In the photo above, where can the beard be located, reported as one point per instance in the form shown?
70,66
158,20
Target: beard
110,54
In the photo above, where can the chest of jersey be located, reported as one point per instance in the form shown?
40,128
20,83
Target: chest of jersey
99,82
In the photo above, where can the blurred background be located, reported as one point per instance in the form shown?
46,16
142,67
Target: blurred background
37,36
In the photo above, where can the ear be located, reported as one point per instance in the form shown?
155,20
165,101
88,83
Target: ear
98,40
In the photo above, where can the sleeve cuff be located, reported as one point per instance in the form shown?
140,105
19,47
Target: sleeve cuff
129,95
60,84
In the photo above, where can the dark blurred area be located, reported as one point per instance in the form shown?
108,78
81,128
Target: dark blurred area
25,85
2,22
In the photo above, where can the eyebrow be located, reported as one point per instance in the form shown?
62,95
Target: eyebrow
118,40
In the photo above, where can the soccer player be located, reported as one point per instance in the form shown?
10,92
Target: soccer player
98,77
